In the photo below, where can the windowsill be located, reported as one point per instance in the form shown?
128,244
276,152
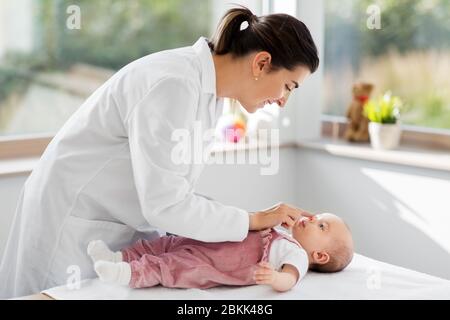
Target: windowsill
228,147
17,166
406,155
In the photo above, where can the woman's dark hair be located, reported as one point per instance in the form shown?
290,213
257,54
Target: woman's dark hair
286,38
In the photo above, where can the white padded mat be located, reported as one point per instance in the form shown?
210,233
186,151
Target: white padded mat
364,278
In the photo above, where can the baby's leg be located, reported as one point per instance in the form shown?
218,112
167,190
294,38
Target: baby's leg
145,247
184,268
186,264
166,269
98,250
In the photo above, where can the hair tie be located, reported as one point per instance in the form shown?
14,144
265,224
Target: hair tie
244,25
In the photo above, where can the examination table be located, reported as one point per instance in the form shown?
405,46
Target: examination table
364,278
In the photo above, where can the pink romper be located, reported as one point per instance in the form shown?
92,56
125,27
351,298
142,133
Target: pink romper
179,262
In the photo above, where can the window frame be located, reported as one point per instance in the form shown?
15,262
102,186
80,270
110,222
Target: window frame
25,146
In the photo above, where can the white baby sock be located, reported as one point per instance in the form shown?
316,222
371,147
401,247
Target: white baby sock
98,250
119,272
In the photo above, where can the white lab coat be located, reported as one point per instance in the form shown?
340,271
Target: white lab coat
107,174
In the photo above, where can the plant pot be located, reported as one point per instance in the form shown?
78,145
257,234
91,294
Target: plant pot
384,136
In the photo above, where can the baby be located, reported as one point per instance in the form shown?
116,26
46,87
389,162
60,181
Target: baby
272,257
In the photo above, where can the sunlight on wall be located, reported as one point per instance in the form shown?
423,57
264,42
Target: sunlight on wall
416,201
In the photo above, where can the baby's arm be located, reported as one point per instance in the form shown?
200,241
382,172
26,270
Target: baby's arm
281,281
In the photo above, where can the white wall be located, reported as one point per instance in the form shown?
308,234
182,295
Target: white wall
10,188
398,214
245,187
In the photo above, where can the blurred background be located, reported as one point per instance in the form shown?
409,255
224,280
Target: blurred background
409,55
47,70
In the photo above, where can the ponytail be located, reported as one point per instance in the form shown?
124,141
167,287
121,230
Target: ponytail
286,38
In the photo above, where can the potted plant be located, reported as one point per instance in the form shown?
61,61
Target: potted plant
384,121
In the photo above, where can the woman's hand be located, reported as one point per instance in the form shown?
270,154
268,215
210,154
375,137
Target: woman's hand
280,213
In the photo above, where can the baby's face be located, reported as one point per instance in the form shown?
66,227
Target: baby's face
320,231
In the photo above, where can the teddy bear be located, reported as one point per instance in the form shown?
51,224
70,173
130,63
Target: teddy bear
358,124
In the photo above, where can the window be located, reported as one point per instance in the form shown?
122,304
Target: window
409,55
48,69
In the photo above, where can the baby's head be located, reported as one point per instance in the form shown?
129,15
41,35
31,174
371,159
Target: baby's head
327,240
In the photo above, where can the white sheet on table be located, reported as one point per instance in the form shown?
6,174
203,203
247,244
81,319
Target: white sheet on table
364,278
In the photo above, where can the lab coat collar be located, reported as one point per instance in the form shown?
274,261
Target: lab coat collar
208,70
209,77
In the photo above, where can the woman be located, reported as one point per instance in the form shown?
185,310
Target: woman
108,173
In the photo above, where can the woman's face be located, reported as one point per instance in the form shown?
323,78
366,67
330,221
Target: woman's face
260,86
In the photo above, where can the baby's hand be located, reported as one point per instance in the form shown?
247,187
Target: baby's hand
265,274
